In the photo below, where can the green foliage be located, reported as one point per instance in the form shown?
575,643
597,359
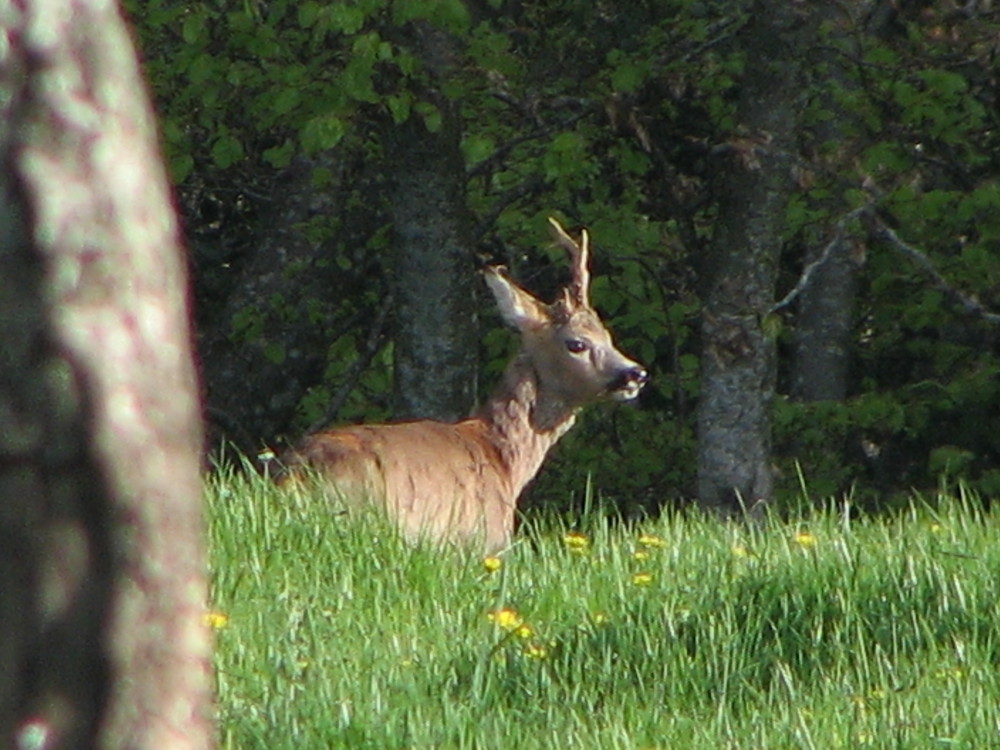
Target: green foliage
922,394
820,632
611,115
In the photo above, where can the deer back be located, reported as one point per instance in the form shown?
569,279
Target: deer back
437,480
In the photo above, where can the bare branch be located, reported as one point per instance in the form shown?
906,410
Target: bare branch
503,151
718,33
531,185
810,269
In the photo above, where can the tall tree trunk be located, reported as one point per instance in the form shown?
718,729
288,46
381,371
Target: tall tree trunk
434,278
825,320
738,373
104,644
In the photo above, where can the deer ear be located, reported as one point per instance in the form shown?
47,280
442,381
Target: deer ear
519,308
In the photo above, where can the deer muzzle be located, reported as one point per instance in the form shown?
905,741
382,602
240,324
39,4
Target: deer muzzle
628,383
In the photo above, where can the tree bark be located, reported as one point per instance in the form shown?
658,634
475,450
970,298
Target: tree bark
104,644
738,365
56,559
823,327
434,280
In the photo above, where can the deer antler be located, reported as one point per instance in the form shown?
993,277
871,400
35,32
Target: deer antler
579,255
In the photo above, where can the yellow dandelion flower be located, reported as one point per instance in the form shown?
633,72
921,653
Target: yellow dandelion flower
936,528
492,563
642,579
576,541
741,551
524,630
804,539
640,554
651,540
215,620
506,618
536,651
600,618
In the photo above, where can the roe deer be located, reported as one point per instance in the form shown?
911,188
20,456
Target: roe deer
461,481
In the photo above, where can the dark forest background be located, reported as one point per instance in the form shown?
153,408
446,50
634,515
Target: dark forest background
795,211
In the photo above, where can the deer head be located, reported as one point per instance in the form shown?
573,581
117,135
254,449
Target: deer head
570,349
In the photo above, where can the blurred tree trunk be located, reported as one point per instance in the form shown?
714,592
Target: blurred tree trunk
434,279
738,357
101,547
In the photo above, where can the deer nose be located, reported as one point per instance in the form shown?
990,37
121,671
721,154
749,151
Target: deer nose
628,382
637,375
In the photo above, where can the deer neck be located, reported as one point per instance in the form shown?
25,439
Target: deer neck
524,421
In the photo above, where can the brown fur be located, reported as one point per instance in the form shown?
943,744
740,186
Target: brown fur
461,481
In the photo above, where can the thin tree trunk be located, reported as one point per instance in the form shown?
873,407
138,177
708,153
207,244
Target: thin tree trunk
738,372
100,426
825,320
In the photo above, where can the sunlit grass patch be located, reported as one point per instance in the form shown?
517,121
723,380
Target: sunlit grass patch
337,633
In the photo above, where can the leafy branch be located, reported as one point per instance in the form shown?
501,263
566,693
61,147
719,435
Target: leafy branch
373,343
878,230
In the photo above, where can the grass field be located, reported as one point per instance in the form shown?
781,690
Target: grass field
681,632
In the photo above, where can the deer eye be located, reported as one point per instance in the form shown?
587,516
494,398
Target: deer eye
577,346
